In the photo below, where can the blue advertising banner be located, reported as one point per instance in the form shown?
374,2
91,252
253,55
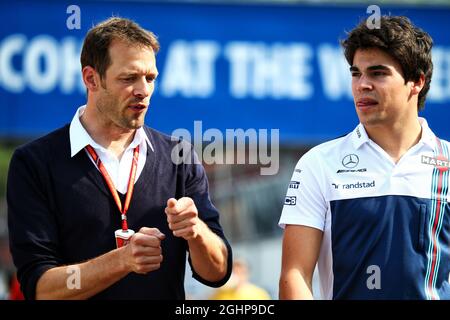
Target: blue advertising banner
229,66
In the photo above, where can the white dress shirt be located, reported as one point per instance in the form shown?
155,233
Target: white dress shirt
118,170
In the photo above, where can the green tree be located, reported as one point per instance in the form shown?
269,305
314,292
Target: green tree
5,157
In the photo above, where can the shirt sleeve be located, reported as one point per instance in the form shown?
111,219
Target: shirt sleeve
33,235
305,202
197,188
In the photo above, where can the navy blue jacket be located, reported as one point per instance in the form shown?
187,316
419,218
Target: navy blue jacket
60,212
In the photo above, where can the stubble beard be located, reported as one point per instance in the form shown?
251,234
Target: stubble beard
114,114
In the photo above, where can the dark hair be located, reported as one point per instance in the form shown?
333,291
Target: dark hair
397,36
95,52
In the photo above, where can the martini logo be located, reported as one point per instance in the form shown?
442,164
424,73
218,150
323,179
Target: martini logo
440,162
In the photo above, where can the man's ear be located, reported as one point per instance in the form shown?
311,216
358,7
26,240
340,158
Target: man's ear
91,78
418,85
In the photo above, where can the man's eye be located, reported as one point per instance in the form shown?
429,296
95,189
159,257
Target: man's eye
355,74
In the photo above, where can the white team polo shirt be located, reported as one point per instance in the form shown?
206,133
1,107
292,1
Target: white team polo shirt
386,226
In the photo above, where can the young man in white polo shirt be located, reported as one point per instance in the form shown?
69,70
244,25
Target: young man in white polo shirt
370,208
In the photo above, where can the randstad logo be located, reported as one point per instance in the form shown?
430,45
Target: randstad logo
359,185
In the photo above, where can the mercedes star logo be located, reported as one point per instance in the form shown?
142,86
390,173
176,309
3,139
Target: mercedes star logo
350,161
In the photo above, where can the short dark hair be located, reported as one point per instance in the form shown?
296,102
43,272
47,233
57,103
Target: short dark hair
406,43
95,51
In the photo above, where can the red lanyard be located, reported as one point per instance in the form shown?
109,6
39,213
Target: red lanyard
110,184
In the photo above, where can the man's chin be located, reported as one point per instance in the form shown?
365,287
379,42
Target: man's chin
131,126
371,121
135,124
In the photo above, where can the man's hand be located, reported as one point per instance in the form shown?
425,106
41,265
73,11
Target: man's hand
143,253
206,249
182,216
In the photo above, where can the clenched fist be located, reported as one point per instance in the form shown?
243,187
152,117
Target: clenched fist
144,250
182,216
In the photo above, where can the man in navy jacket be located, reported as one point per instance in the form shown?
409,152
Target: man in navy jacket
72,197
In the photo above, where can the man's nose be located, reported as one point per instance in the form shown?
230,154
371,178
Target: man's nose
364,83
142,88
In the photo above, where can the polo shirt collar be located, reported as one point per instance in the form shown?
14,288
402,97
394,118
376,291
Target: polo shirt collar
359,135
428,136
80,138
